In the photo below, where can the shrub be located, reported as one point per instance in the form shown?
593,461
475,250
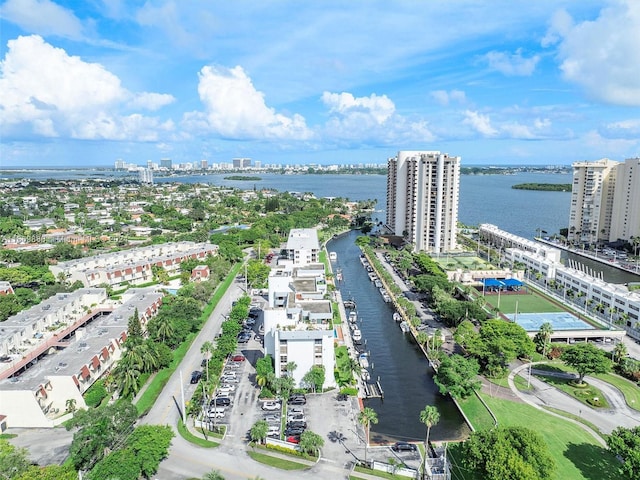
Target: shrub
95,394
349,391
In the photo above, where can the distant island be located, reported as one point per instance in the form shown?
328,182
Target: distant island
246,178
547,187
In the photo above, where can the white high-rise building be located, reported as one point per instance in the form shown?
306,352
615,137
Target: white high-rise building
625,222
592,201
422,199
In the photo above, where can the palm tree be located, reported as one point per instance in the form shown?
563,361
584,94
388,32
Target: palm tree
165,328
619,352
429,416
546,330
311,442
71,405
259,431
350,366
367,417
207,349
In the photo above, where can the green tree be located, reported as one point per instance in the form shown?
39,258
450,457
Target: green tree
586,358
314,378
50,472
150,445
259,431
13,461
429,416
99,430
134,329
457,376
366,418
207,349
311,442
543,338
512,453
625,443
619,352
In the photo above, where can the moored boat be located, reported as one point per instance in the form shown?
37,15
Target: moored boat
357,334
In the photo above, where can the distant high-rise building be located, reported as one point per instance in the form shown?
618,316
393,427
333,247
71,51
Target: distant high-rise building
145,175
120,164
203,165
605,201
422,199
625,221
165,163
592,201
241,162
257,164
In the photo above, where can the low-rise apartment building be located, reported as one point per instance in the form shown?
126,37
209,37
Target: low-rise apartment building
64,364
133,266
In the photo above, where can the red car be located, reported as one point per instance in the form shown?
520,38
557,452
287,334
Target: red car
237,358
293,439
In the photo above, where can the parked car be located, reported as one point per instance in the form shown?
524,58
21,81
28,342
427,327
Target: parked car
216,412
270,406
297,424
224,391
295,411
293,439
250,321
271,418
244,338
297,400
404,447
229,386
238,358
223,401
294,431
196,375
296,418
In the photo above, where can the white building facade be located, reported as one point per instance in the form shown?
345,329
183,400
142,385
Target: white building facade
422,199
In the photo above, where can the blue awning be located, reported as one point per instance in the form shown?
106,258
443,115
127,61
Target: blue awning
492,282
512,282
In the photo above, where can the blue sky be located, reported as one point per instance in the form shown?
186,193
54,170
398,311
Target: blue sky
290,82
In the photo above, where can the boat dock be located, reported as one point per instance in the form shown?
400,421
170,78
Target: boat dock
373,389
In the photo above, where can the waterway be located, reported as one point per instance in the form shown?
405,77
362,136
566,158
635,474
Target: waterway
405,375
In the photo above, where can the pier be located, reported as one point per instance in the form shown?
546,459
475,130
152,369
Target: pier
373,389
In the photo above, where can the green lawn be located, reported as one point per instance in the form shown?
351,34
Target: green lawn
577,454
629,389
476,412
581,394
466,263
276,462
190,437
527,303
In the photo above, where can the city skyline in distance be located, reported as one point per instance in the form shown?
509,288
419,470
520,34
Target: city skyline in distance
504,83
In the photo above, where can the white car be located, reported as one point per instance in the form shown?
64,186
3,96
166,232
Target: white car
228,386
224,391
295,411
270,406
272,418
296,418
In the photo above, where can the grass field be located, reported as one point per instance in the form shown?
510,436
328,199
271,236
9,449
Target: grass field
477,413
465,263
629,389
527,303
577,454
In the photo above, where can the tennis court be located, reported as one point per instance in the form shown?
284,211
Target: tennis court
532,322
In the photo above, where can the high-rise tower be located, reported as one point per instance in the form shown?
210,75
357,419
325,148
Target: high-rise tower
422,199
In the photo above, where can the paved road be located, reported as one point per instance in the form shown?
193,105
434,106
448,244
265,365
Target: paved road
545,395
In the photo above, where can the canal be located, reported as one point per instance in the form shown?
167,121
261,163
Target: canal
404,372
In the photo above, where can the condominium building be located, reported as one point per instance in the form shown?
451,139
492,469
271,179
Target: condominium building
592,201
303,246
625,221
133,266
422,199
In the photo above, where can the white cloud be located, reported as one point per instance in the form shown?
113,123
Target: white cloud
602,55
444,98
152,101
235,109
512,64
480,123
607,146
370,120
58,95
622,129
42,17
378,108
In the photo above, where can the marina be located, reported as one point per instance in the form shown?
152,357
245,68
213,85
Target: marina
400,378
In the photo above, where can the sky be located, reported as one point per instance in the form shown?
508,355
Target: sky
504,82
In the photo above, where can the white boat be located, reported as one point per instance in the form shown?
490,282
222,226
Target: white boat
373,277
333,256
357,334
396,317
377,283
365,375
404,326
353,317
363,359
386,297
